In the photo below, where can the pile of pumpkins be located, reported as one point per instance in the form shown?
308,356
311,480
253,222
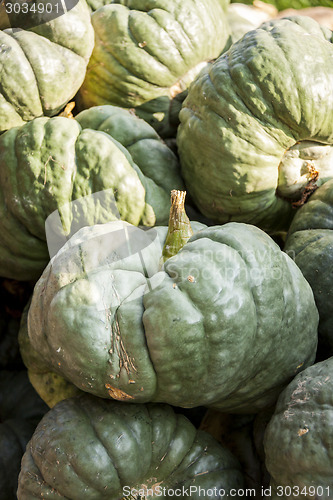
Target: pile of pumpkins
166,254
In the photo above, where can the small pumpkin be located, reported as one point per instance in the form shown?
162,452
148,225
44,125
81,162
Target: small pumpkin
255,131
110,317
20,411
147,53
298,438
43,65
88,448
79,171
310,243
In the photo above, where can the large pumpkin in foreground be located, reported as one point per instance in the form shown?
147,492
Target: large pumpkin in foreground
147,53
256,128
43,65
106,164
226,322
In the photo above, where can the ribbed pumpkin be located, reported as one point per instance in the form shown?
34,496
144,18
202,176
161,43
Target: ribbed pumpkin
147,52
107,316
43,65
87,448
310,243
255,129
298,438
104,165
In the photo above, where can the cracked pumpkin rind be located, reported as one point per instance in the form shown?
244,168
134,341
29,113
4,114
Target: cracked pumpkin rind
228,299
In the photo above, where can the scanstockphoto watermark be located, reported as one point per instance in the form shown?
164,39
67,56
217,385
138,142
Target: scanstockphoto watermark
187,492
231,265
27,14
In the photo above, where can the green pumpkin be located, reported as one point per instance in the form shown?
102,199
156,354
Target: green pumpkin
293,4
20,411
310,243
42,67
111,318
107,161
255,129
87,448
298,438
147,53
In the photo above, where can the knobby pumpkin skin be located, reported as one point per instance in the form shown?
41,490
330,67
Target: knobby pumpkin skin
310,243
255,129
20,411
227,322
50,162
147,53
298,438
87,448
43,67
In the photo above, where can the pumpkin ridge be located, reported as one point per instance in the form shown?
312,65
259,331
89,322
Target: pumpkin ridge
140,78
146,47
16,107
178,48
103,443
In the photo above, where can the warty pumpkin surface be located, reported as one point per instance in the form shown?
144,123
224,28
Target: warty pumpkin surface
226,322
84,175
42,67
255,129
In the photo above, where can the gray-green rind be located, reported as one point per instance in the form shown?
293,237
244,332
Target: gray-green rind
298,438
270,90
310,243
90,449
226,323
107,164
147,53
43,67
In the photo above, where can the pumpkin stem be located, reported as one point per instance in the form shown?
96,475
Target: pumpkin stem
180,230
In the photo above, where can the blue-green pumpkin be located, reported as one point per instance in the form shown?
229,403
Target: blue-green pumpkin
225,322
255,130
106,164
